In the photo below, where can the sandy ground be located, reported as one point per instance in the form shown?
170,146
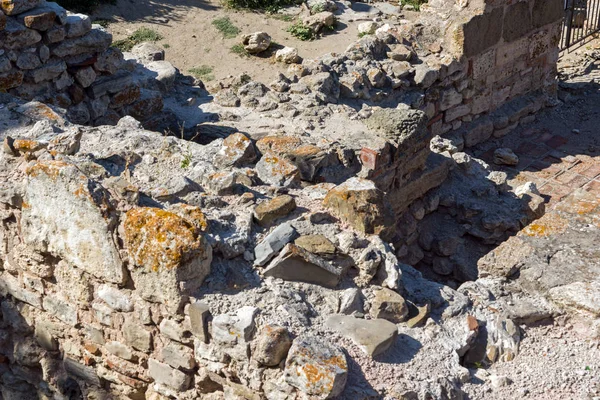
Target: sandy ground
193,41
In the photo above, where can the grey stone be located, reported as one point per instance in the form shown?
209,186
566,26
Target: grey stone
173,330
119,350
505,156
17,36
95,41
273,243
136,336
14,7
115,298
351,301
271,345
164,74
148,52
178,356
28,61
49,71
83,372
388,304
61,309
199,313
85,76
77,25
372,336
10,285
311,357
297,264
425,76
164,374
276,170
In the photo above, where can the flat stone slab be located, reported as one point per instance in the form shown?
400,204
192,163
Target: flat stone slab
372,336
296,264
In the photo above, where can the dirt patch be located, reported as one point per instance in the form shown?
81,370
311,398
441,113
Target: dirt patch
191,40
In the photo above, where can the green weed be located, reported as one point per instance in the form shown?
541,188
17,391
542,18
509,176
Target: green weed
141,35
301,31
203,72
226,27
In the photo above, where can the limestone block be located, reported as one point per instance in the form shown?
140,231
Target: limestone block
316,367
137,336
372,336
547,11
275,170
359,203
169,255
390,305
273,243
517,21
95,41
480,33
68,214
77,25
199,314
178,356
297,264
40,18
164,374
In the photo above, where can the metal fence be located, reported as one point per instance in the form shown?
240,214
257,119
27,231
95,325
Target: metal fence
582,20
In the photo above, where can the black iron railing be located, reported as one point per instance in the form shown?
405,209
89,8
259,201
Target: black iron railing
582,20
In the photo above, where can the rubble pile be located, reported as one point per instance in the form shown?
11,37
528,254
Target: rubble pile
286,243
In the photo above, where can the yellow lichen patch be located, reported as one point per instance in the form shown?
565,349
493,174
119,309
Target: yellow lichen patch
50,168
192,214
278,144
581,204
305,151
157,239
27,145
549,224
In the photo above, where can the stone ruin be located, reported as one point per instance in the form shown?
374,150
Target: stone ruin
274,262
61,58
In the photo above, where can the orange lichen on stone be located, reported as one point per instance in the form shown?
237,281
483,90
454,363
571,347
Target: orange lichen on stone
50,168
159,239
278,144
305,151
27,145
549,224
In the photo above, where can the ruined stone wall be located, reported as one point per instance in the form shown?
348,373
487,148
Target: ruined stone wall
507,71
61,58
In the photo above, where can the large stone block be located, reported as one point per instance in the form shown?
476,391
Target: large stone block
359,203
517,21
168,254
481,32
547,11
96,41
68,215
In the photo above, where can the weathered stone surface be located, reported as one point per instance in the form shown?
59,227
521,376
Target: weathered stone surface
359,203
273,243
17,36
164,374
256,42
148,51
389,305
317,244
136,336
372,336
237,150
11,79
166,251
95,41
115,298
269,211
61,309
78,25
505,156
271,345
70,215
276,170
119,350
199,313
297,264
48,71
288,55
316,368
178,356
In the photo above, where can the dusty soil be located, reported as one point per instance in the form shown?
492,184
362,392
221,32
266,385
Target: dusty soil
192,40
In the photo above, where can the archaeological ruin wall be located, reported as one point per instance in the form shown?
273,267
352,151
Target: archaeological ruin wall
61,58
138,308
